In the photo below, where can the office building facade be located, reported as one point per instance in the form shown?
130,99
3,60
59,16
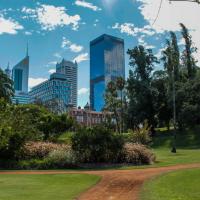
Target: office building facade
70,70
107,62
55,93
20,75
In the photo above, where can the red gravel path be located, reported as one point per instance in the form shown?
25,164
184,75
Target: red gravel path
115,184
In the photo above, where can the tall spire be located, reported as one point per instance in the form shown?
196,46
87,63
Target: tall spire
8,66
27,49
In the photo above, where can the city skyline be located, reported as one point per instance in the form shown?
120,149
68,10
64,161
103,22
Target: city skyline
56,30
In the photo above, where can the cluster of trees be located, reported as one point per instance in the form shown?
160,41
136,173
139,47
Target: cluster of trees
148,94
22,123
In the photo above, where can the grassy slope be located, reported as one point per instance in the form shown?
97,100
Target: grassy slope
180,185
188,147
44,187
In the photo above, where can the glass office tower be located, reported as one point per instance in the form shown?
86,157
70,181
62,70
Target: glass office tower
107,62
20,74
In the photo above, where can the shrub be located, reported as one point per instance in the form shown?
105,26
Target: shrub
38,150
32,164
61,159
138,154
141,135
96,145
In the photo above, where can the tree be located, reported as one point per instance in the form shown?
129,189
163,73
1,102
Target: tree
163,109
171,58
6,86
140,93
112,102
187,58
120,85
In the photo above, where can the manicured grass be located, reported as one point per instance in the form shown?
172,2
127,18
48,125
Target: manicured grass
188,148
44,187
180,185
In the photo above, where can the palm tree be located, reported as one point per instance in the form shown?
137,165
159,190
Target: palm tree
120,84
6,86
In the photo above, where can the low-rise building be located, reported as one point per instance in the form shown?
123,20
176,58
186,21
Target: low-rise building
88,117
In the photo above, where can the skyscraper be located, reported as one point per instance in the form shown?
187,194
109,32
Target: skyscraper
59,93
8,71
20,74
107,62
70,70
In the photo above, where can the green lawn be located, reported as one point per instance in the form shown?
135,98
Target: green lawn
188,147
44,187
180,185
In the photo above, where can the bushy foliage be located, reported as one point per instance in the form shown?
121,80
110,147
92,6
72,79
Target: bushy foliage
141,135
22,123
39,150
15,129
138,154
61,159
97,144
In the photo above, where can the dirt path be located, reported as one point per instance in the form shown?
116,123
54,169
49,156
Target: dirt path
115,184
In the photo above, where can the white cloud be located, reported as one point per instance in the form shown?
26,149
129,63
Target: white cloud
35,81
52,63
127,28
85,4
9,26
51,71
76,48
50,17
72,46
83,91
132,30
171,14
80,58
57,55
28,33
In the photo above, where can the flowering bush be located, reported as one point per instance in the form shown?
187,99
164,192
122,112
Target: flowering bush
138,154
38,150
61,159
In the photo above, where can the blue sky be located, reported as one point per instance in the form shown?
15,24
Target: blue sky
56,29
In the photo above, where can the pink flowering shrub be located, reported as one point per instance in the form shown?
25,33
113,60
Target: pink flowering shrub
39,150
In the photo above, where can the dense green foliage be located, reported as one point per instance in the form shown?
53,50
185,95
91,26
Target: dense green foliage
97,144
21,123
179,185
45,187
6,86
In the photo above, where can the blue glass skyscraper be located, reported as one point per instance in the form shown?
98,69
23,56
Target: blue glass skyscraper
107,62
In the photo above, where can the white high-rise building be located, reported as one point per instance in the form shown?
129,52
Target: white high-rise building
70,70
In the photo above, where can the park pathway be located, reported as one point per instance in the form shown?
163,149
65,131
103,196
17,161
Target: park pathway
115,184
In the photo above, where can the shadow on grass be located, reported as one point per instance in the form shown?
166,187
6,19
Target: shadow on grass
187,139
